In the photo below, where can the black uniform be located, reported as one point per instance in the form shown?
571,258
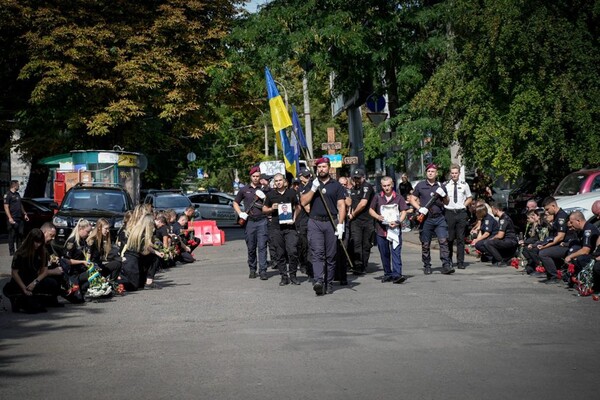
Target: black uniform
283,237
587,237
549,255
302,228
15,231
501,249
362,226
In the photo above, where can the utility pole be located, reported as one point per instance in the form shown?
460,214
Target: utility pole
307,121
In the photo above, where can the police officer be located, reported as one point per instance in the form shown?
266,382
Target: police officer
361,223
256,223
302,226
434,218
15,216
322,233
588,235
282,234
459,198
553,250
505,242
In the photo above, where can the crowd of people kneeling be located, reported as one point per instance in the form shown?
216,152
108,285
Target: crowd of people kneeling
92,264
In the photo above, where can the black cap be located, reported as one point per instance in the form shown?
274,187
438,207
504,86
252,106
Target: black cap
265,177
305,172
358,173
295,181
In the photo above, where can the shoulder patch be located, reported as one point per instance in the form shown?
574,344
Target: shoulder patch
365,189
561,221
69,246
587,233
487,222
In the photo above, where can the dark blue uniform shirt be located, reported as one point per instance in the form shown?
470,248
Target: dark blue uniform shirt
489,224
357,193
14,204
424,191
252,204
589,235
560,223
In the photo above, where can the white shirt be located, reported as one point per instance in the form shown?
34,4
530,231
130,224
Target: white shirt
463,193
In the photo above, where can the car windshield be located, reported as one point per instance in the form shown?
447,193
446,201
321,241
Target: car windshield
95,200
570,184
171,201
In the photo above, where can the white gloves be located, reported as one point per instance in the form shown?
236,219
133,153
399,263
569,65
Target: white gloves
243,216
260,194
423,210
315,185
339,231
441,192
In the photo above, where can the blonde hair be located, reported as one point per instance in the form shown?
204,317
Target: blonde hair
136,216
140,236
81,224
96,236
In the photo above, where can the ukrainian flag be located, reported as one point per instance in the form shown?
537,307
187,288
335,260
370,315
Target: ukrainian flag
279,114
288,154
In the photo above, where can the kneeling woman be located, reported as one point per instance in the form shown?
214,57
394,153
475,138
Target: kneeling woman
77,252
100,247
140,258
30,289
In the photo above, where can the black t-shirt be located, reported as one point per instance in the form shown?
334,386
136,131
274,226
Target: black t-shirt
288,196
560,222
505,224
302,218
364,191
176,228
14,204
161,232
589,235
76,251
332,192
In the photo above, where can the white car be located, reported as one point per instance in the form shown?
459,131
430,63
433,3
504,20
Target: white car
580,202
215,206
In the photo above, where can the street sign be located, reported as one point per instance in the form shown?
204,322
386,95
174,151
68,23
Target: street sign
331,146
350,160
191,156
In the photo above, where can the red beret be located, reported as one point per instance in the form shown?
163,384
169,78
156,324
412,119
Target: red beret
322,160
254,170
431,165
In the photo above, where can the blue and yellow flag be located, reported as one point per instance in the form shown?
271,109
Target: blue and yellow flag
288,154
298,128
279,114
296,149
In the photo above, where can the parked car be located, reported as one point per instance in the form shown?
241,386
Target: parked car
173,199
581,202
582,181
38,214
91,203
215,206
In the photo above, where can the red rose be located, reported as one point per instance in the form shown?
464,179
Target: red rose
559,274
571,268
514,263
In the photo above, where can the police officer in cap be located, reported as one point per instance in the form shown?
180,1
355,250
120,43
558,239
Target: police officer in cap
362,226
15,216
322,234
256,223
302,226
434,218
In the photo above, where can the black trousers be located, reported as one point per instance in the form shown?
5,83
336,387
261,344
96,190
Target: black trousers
285,245
457,225
15,235
549,257
361,235
500,249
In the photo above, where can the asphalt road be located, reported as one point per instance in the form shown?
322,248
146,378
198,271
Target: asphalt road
211,333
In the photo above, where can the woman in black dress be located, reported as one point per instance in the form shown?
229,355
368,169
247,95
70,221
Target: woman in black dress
100,246
30,289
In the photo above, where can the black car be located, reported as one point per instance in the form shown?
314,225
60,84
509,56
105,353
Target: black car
38,214
172,199
91,203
